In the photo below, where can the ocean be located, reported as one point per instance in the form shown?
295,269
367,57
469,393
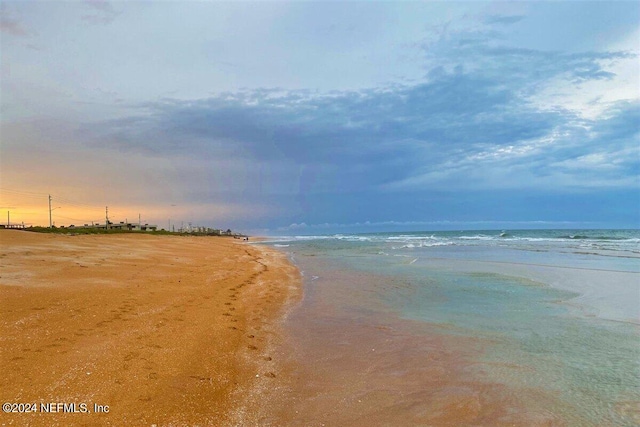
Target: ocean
507,327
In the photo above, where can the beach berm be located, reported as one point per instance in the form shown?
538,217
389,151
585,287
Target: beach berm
137,329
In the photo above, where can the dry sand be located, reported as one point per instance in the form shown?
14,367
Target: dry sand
163,330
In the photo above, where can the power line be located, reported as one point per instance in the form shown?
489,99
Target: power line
33,193
76,219
78,204
88,209
36,195
13,196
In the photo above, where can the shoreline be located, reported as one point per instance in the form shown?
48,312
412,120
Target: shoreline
166,330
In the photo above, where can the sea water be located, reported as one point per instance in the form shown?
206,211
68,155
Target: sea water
530,327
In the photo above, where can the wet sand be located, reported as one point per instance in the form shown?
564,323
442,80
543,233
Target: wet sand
353,362
164,330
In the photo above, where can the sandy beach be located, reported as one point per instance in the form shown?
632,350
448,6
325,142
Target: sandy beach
139,329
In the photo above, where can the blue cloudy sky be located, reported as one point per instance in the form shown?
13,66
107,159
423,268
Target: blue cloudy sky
322,117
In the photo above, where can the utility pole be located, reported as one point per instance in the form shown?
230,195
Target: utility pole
106,217
8,222
50,223
139,224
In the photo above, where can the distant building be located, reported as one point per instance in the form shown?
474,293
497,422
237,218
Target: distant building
119,226
4,226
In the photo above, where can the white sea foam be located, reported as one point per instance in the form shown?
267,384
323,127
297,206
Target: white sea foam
603,243
478,237
425,245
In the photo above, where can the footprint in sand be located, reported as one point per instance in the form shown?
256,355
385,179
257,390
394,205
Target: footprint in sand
130,356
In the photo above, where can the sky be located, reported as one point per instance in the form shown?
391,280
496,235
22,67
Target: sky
321,117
